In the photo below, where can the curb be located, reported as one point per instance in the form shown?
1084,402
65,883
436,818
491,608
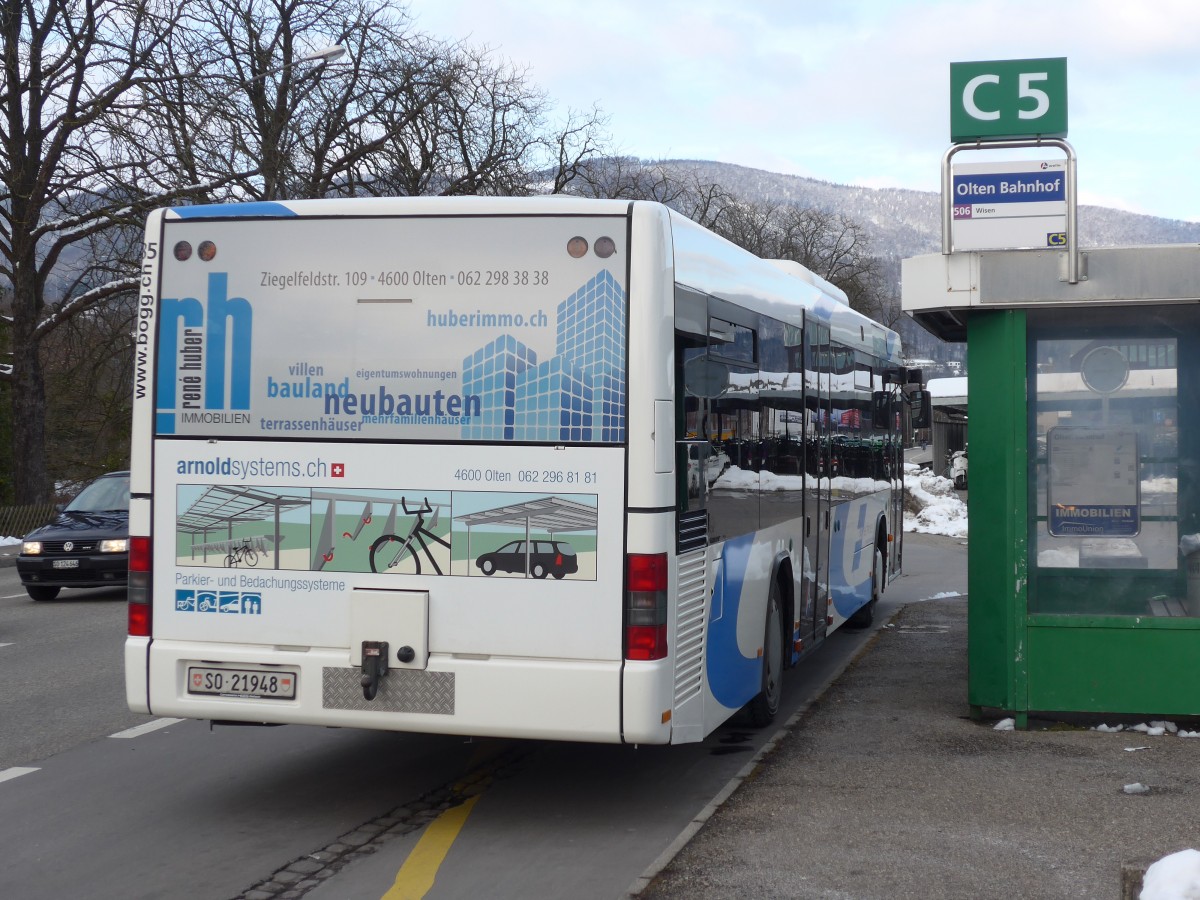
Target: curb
1132,874
722,796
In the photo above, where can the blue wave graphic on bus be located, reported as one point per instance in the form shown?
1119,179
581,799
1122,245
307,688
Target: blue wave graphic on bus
260,210
732,677
850,562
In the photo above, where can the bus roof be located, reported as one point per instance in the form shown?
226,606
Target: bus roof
710,264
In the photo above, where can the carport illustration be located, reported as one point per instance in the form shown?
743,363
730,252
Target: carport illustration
220,509
525,554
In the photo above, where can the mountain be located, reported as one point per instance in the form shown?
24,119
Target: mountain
908,223
904,223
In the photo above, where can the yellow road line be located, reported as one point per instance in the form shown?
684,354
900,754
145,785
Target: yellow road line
416,876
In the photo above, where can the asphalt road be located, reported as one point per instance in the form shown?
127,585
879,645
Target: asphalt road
61,670
182,810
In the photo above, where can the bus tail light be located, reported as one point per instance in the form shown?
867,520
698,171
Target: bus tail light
646,606
139,587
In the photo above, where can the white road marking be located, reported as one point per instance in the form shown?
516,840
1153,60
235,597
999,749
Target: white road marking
13,596
15,772
139,730
6,645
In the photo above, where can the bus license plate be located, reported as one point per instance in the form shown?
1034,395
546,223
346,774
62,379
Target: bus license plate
255,684
65,564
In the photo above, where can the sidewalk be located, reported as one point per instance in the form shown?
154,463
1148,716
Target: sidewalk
886,789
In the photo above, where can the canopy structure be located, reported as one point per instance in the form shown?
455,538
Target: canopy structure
222,506
550,514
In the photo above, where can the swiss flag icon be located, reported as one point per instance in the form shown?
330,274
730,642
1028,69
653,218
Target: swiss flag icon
197,679
337,470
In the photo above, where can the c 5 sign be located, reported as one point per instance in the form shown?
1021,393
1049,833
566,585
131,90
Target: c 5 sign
1008,99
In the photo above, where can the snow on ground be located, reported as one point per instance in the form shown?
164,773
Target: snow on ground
1174,877
9,541
933,505
941,595
1154,729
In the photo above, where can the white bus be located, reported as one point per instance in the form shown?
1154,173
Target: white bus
526,467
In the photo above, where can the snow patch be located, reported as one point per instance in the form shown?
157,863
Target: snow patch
932,505
1174,877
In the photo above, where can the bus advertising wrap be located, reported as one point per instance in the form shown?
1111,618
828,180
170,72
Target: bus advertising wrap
446,329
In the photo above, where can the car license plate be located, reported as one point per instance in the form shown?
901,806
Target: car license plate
65,564
256,684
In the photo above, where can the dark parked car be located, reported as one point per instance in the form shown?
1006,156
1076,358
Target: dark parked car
555,558
87,545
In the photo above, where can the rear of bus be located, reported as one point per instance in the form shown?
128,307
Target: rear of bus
380,461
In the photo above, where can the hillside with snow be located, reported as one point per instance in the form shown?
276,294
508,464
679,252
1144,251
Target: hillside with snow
908,223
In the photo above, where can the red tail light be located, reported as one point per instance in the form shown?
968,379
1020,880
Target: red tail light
139,587
646,606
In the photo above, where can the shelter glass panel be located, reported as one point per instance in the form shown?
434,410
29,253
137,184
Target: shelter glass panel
1112,463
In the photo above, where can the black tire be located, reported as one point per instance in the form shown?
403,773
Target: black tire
765,705
40,592
538,570
230,561
487,566
251,558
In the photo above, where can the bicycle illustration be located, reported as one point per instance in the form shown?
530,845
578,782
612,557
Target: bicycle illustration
383,552
242,553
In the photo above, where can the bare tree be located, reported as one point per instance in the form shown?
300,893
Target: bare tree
68,64
245,114
829,244
111,107
476,125
628,178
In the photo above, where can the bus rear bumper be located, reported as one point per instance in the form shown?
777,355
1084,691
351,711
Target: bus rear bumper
504,697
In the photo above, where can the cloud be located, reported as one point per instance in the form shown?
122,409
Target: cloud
857,91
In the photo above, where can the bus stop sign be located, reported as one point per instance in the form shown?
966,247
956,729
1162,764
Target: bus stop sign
1008,100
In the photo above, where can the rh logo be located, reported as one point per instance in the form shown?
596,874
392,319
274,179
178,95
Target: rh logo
204,353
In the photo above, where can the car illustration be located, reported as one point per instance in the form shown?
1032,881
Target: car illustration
86,546
555,558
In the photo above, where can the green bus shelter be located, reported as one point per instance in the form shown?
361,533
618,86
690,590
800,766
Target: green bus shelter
1084,507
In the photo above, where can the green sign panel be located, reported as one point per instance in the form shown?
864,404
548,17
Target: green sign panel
1008,99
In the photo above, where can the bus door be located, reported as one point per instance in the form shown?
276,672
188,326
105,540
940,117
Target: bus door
897,425
817,468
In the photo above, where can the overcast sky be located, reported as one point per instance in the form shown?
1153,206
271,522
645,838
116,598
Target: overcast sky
858,91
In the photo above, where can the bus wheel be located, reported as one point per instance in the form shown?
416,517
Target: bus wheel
765,705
